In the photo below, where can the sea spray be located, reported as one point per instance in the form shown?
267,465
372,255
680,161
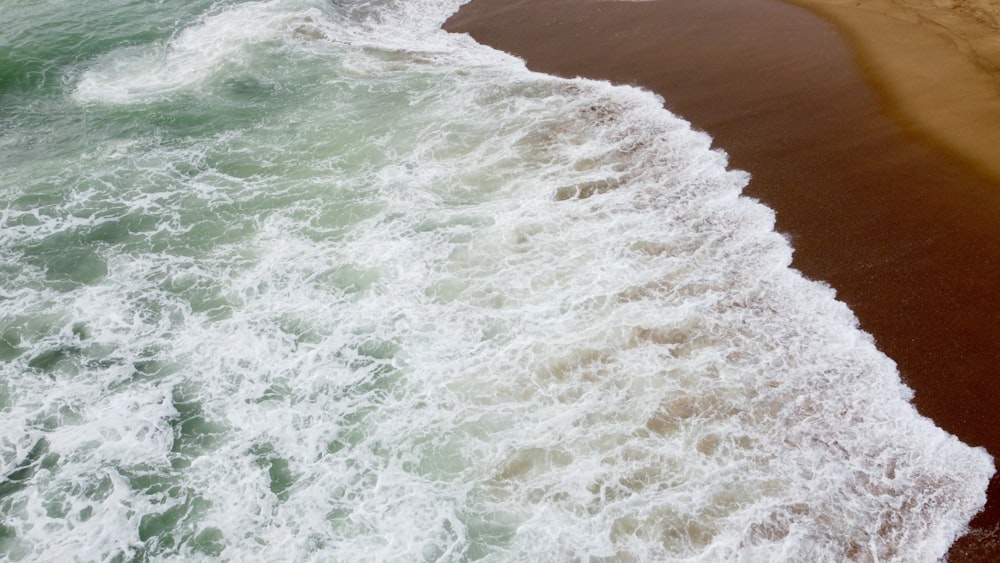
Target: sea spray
299,280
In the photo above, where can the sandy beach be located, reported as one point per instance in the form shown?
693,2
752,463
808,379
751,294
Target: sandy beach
875,140
937,62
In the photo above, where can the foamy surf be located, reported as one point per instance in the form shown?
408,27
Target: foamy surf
335,285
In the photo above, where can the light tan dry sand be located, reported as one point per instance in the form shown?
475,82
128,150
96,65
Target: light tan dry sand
937,62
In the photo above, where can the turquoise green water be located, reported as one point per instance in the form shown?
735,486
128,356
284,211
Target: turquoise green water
306,280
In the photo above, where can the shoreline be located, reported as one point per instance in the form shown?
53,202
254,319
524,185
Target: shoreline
898,222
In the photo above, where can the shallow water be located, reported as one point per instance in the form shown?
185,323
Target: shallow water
300,280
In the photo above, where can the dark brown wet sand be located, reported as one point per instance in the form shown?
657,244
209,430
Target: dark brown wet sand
908,236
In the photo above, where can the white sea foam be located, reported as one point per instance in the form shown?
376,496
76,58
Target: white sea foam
193,57
438,308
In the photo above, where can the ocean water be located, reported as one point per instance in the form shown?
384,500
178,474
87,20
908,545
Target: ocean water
307,280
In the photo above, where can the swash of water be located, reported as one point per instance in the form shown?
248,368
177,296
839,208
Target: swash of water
300,280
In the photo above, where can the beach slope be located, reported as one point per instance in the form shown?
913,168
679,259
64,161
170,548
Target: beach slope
937,62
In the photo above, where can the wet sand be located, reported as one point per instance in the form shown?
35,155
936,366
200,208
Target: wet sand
904,225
